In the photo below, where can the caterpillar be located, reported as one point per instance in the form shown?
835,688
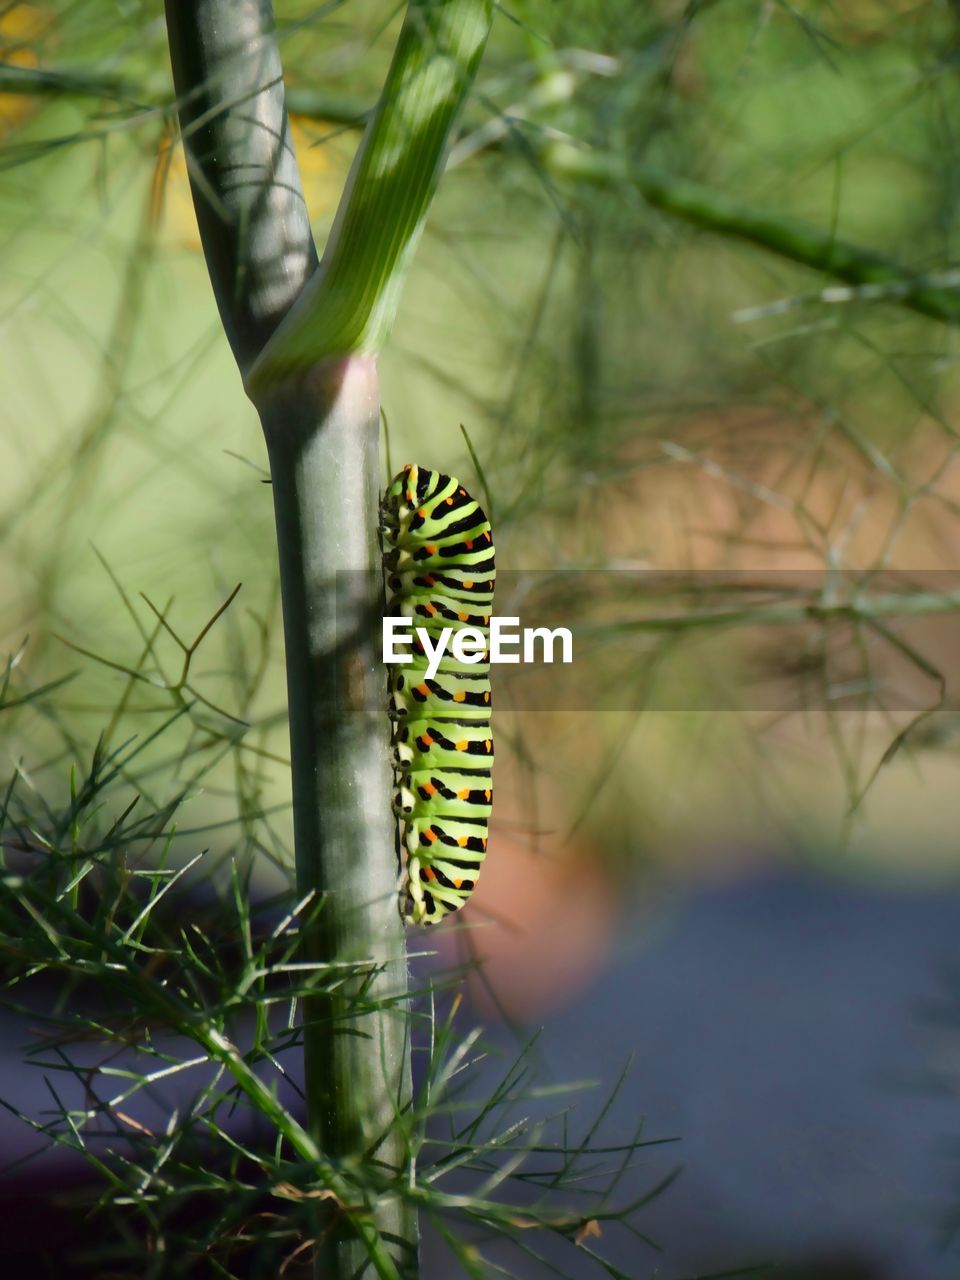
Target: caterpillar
439,570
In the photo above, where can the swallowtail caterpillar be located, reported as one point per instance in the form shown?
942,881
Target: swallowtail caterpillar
439,570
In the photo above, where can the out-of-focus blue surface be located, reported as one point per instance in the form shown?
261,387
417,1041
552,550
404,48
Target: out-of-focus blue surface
782,1028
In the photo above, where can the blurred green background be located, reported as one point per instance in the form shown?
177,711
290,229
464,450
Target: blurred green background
640,393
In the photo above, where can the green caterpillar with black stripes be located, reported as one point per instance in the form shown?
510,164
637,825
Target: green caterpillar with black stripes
439,570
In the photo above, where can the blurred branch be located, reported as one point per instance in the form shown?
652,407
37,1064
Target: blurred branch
312,103
874,276
714,211
751,613
206,130
328,108
51,83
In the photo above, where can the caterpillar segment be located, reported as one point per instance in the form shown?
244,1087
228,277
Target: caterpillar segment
439,568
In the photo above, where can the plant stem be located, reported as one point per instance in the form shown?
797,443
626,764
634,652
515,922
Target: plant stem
351,302
931,293
253,221
861,608
322,433
168,1006
714,211
314,384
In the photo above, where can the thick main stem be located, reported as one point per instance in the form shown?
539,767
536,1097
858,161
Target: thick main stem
319,408
322,432
243,171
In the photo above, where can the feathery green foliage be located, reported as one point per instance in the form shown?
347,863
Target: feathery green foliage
690,271
163,1003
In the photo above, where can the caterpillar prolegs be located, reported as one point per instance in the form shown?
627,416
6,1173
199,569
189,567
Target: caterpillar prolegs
439,568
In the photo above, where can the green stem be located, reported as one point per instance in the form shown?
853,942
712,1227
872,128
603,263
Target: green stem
362,1225
878,276
51,82
864,608
322,435
166,1005
315,387
713,211
351,302
246,188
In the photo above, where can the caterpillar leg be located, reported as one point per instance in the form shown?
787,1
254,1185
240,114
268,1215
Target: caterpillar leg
414,904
